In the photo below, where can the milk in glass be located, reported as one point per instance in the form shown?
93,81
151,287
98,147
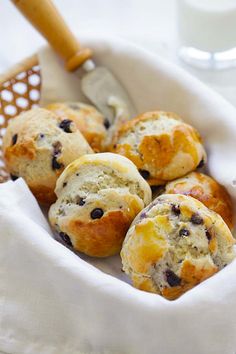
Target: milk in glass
207,31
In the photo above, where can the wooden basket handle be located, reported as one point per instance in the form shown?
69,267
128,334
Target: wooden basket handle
44,16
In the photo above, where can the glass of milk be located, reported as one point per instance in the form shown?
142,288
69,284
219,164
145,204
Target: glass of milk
207,32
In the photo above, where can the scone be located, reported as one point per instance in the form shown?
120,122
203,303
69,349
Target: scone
207,190
38,145
98,197
92,124
174,244
161,145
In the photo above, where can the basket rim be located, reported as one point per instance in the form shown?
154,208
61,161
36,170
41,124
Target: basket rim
18,68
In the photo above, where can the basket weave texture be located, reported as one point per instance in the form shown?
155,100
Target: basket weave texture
18,93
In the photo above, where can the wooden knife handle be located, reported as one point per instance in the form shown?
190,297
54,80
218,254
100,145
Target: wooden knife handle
44,16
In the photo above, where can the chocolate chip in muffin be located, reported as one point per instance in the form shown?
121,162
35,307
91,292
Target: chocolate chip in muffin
143,215
55,164
57,148
171,278
41,135
64,185
196,219
13,177
65,238
175,209
106,123
66,125
96,213
144,173
14,139
56,152
80,201
184,232
201,163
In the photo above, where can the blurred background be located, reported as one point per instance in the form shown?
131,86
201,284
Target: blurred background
151,24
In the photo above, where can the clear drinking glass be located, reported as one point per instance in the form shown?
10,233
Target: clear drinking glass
207,32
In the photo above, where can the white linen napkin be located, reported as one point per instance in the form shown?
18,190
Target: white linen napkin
53,301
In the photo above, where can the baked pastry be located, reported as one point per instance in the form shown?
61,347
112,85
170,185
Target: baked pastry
174,244
161,145
38,145
98,197
207,190
92,124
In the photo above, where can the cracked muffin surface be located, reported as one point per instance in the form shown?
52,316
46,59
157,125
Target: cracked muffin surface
161,145
37,146
206,190
174,244
91,123
98,197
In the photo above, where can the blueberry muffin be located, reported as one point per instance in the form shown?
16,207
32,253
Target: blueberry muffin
207,190
38,145
174,244
87,118
161,145
98,197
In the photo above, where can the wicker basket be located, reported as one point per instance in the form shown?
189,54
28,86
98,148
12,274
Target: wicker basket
19,91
